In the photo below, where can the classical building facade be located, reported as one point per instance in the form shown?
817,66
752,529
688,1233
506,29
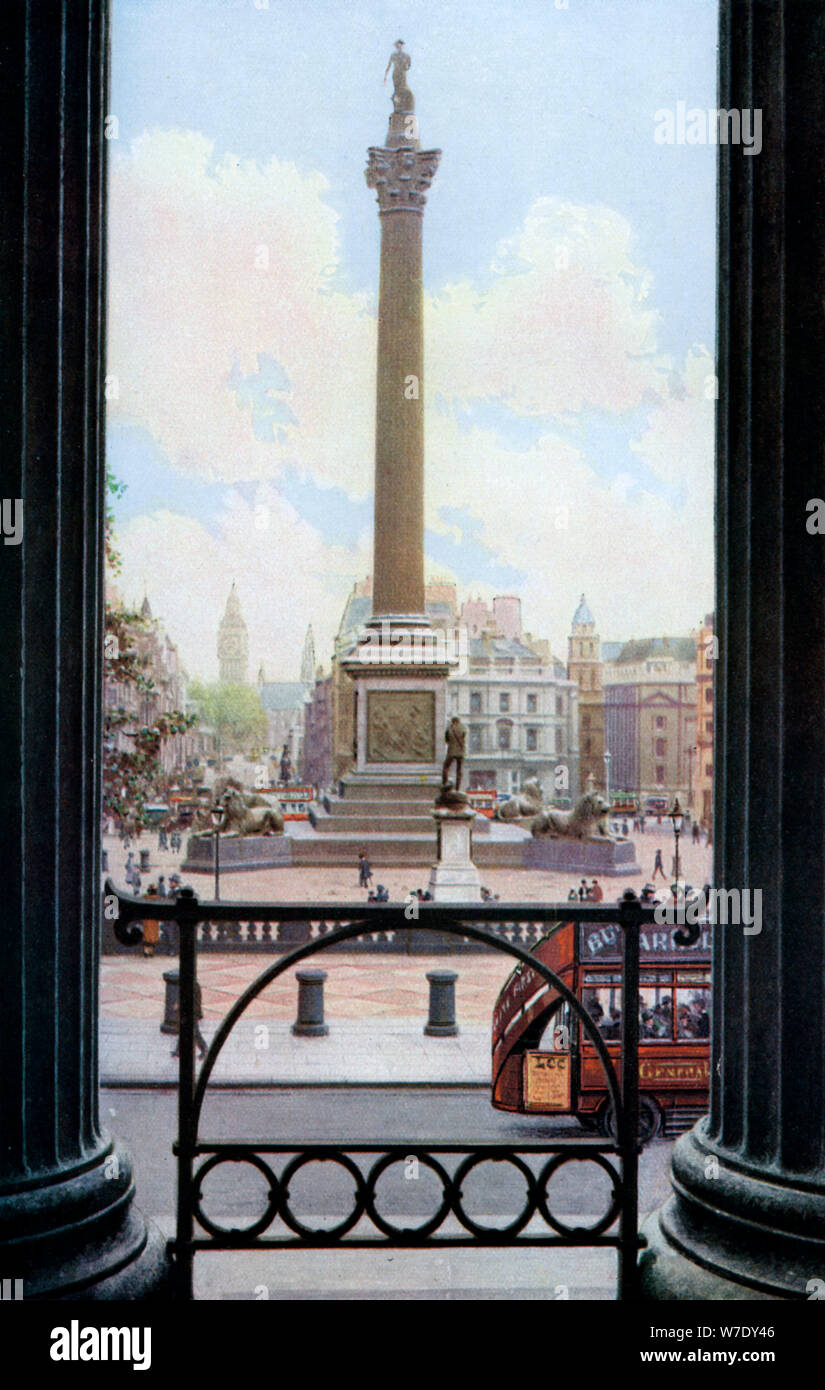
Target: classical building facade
521,716
706,657
233,643
650,716
585,668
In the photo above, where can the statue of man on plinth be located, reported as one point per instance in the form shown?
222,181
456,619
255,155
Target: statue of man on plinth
402,97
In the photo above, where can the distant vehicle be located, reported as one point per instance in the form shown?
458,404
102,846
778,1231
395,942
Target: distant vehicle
656,806
156,814
293,801
483,800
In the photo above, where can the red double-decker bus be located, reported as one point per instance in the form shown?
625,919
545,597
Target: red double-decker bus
542,1062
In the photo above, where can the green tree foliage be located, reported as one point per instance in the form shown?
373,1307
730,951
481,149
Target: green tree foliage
132,774
235,713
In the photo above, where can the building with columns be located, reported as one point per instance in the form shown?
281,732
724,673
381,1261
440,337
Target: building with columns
745,1220
584,668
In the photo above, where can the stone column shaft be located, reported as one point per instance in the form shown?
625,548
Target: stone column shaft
67,1224
400,175
398,570
748,1216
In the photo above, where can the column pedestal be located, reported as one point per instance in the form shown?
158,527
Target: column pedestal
454,879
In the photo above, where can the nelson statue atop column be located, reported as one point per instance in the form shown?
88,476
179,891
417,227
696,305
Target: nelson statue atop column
402,97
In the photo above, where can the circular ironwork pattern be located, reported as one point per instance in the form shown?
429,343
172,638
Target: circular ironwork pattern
598,1227
311,1233
365,1203
241,1232
495,1232
427,1227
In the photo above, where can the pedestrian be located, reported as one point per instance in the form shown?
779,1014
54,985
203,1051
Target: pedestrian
584,891
696,832
364,871
455,738
163,842
286,765
162,893
136,882
130,866
151,926
573,895
658,866
199,1038
596,893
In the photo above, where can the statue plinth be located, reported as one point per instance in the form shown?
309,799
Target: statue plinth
454,879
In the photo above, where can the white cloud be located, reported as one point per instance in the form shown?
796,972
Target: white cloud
213,264
286,578
565,324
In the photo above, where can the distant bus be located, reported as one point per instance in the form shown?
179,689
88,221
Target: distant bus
156,814
293,801
543,1063
483,800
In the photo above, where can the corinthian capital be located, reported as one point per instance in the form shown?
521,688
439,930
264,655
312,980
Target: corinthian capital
401,177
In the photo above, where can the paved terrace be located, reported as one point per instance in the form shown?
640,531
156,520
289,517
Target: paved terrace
376,1005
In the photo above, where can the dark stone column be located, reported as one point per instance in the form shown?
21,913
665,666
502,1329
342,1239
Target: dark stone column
68,1226
747,1219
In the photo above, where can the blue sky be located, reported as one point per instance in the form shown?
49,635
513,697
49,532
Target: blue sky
527,101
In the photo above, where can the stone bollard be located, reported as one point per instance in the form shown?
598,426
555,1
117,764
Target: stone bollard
441,1022
170,1014
310,1020
144,861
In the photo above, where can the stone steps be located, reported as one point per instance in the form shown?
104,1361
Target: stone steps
386,850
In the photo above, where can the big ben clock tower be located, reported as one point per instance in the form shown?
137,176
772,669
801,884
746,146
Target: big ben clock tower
233,643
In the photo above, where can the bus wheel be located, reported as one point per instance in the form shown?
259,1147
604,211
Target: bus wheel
650,1120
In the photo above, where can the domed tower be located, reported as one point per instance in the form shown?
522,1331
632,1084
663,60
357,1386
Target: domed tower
584,666
233,642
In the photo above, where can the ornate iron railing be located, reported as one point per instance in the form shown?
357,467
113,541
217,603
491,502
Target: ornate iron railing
490,925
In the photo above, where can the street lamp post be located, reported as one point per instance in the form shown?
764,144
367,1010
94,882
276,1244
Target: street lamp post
218,817
676,818
607,776
691,752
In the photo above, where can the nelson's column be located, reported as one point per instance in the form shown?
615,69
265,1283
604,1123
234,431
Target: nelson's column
400,686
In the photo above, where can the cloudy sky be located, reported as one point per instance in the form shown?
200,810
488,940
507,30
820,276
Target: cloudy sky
569,309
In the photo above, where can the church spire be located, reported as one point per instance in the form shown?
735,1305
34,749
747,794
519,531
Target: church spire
308,660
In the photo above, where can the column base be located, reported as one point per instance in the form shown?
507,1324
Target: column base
731,1231
78,1235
